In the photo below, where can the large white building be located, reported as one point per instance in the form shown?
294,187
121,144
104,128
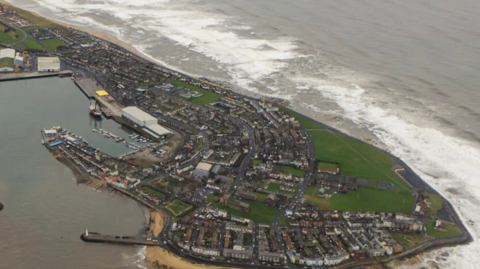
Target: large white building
7,60
48,64
148,123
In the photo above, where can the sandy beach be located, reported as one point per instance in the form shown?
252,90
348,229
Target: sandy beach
158,255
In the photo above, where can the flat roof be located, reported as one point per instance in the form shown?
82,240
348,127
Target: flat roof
151,133
7,53
138,113
48,63
158,129
102,93
204,166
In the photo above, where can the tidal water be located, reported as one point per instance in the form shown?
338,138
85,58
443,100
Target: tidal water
45,210
402,73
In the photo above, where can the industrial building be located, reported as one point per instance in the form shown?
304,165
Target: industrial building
148,123
202,169
48,64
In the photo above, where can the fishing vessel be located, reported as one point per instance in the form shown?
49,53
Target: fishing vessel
95,109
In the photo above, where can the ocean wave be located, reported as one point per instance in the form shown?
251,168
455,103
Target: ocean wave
285,67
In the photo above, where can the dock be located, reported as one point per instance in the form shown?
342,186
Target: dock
28,75
110,108
122,240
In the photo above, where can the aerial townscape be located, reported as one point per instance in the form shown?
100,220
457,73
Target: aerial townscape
241,181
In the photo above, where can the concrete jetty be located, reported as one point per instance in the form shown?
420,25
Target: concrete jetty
108,105
112,239
27,75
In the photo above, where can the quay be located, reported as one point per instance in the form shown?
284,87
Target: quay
91,237
110,108
28,75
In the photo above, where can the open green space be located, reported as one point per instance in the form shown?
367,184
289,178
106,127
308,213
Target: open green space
305,121
355,157
6,62
363,200
273,187
258,213
211,198
436,203
11,36
206,98
450,230
407,240
178,234
154,192
261,197
283,169
178,207
87,41
282,222
322,166
53,44
31,43
254,162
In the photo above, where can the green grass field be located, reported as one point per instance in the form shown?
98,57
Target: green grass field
363,200
273,187
178,207
261,197
356,158
10,37
327,166
154,192
406,240
254,162
53,44
288,170
258,213
206,98
436,203
31,43
282,222
450,230
87,41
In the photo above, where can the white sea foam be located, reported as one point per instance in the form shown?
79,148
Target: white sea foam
443,161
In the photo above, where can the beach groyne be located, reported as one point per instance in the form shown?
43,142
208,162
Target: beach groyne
113,239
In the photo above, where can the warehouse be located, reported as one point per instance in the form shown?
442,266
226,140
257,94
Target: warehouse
202,169
48,64
148,123
7,58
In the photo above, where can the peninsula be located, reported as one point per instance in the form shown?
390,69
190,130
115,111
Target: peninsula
231,180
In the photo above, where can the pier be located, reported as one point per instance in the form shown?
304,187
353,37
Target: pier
108,105
91,237
27,75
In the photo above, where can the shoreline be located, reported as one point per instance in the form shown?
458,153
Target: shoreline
133,50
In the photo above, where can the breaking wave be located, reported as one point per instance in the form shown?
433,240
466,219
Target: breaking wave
285,67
